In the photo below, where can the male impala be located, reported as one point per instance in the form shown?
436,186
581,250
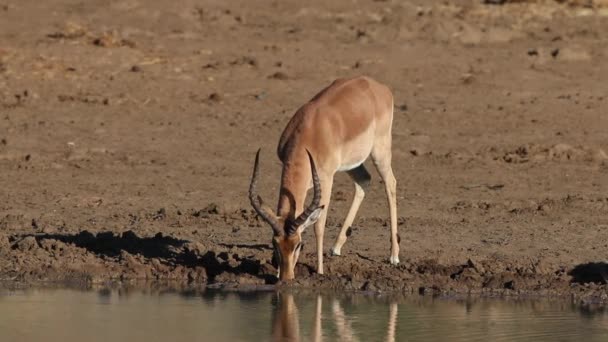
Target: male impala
336,130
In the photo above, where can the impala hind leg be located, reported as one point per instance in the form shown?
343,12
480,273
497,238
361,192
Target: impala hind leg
381,156
361,179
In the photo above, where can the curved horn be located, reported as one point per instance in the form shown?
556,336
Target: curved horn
256,201
316,199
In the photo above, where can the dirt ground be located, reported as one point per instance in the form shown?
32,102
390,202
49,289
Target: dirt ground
128,131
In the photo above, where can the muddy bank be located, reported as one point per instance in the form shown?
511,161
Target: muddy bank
96,258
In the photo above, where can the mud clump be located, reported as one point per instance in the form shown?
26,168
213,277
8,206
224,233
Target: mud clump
4,241
558,152
25,244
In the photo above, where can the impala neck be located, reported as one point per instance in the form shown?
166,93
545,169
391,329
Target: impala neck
295,181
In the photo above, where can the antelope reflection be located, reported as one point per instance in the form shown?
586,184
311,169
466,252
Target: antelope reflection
286,326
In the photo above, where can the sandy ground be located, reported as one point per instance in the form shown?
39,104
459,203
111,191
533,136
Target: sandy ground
128,131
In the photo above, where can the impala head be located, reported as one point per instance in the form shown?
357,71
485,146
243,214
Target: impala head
287,230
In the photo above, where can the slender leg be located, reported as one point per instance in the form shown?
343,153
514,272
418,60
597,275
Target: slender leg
392,322
285,325
345,330
317,336
326,185
381,155
361,178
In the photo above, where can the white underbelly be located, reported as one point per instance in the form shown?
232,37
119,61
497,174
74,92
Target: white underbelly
347,167
356,151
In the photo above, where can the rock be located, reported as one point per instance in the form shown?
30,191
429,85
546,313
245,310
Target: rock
52,245
138,272
504,280
279,75
233,263
210,209
248,280
418,151
492,282
225,277
48,230
494,2
161,214
509,285
267,268
179,272
369,286
545,207
302,271
3,241
476,265
197,274
542,267
159,267
194,248
215,97
28,243
469,275
129,259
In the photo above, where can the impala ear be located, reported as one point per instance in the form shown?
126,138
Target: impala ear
310,220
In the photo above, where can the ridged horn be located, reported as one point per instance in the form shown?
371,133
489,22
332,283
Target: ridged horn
256,200
316,199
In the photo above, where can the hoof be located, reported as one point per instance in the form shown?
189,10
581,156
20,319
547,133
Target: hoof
334,252
394,260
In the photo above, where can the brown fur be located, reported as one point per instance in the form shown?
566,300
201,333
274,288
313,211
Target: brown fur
334,117
341,126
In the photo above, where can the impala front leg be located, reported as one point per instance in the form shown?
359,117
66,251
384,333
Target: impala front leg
326,185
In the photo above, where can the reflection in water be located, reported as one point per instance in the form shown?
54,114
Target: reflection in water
392,322
285,324
373,318
167,314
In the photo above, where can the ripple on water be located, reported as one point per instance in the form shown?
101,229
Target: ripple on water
159,314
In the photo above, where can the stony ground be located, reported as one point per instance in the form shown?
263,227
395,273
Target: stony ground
128,131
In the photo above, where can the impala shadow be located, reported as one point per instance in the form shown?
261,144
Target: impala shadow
255,246
591,272
172,251
112,245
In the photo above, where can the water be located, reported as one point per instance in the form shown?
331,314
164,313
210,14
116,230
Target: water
155,315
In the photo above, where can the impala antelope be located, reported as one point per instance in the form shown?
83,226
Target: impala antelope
337,130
